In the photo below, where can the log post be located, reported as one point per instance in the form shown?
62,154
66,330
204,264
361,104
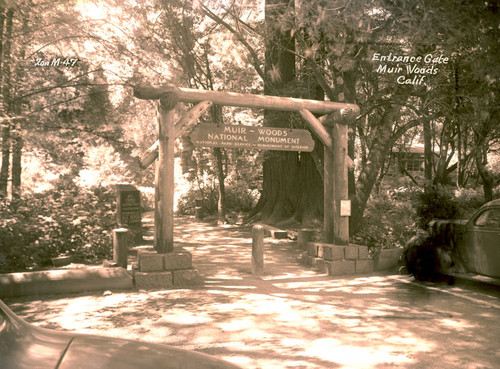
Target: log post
340,163
120,247
257,249
336,225
164,191
328,194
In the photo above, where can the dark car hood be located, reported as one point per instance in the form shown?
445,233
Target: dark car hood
93,352
24,346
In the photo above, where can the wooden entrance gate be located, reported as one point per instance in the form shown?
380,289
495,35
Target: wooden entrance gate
330,128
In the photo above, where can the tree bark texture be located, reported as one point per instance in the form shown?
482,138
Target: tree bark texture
292,186
5,84
4,170
164,191
17,148
17,137
428,149
2,24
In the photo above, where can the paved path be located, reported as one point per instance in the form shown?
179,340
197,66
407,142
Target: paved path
291,317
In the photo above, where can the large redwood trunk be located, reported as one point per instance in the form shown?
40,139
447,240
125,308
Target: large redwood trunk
292,186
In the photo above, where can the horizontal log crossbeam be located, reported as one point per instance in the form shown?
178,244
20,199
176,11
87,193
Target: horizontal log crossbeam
188,95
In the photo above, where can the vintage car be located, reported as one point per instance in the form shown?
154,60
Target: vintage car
24,346
458,248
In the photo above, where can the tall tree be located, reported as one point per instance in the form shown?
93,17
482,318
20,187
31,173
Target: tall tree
6,86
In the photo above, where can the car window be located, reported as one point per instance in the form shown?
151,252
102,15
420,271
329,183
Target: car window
490,219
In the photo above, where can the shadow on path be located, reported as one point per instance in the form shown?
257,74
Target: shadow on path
291,317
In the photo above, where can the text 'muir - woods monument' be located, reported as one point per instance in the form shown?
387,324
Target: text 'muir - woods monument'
330,128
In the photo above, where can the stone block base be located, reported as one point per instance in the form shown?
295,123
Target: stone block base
351,252
363,253
341,267
321,266
154,280
186,278
150,262
276,233
310,261
333,252
177,260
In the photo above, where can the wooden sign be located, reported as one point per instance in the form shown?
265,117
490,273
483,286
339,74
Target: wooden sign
128,205
250,137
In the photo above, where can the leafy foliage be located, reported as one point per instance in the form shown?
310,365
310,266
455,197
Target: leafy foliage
435,203
70,221
389,222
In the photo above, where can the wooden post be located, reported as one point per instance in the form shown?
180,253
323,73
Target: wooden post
120,247
336,226
164,191
340,163
257,249
328,194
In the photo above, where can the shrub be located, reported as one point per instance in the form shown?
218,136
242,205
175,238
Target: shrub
388,222
435,202
67,221
468,200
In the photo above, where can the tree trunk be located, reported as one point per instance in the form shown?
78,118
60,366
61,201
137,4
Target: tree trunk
350,96
487,178
221,203
216,112
6,62
2,24
379,150
5,83
4,170
428,149
17,137
17,147
278,200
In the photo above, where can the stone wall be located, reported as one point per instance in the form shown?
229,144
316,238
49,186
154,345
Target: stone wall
338,260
